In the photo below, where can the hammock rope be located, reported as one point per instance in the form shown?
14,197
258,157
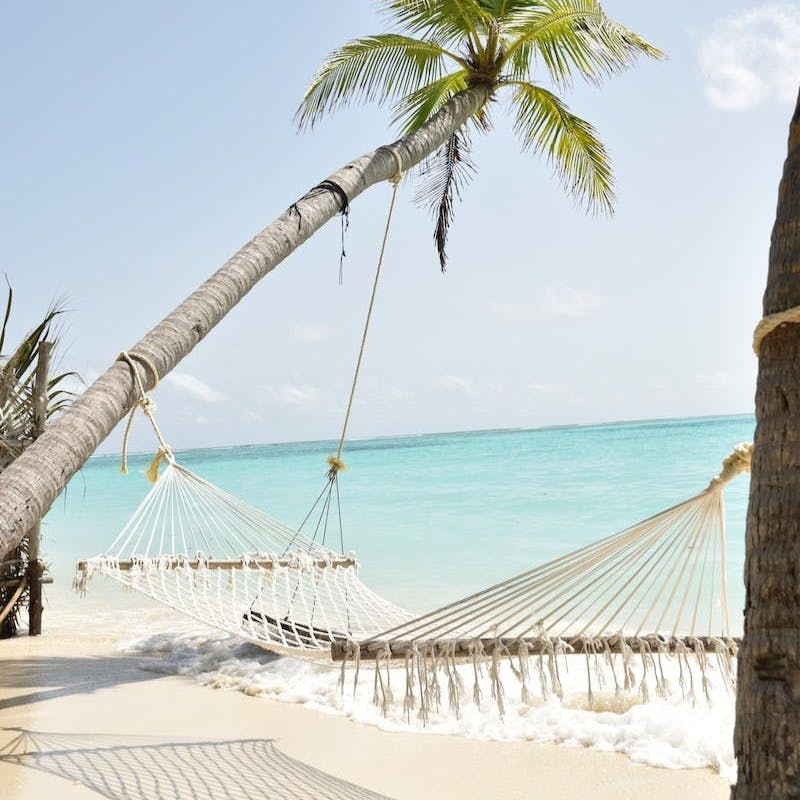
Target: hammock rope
330,493
395,180
148,407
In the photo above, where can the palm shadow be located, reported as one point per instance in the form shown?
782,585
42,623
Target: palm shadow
145,768
61,676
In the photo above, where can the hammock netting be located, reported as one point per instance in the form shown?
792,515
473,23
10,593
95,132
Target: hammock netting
661,580
205,553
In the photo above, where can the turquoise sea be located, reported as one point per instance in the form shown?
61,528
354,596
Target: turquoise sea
434,517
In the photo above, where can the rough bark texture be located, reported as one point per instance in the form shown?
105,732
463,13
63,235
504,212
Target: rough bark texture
29,486
767,735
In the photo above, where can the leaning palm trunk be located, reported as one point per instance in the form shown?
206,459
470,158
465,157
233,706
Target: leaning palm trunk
767,736
34,480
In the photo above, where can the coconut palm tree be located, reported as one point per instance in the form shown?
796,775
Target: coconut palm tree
767,735
492,47
444,48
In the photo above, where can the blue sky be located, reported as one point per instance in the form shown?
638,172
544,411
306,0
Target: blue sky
143,143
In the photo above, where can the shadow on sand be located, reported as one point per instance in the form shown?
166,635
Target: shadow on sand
144,768
59,677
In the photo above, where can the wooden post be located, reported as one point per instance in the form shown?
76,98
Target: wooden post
35,565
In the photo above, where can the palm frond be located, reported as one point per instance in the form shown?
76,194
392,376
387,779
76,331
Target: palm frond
545,125
17,373
23,359
451,21
572,36
444,176
416,108
374,69
500,9
6,316
57,398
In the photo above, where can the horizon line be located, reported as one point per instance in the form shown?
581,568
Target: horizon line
518,429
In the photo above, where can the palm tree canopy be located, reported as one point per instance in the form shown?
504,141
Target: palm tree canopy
442,47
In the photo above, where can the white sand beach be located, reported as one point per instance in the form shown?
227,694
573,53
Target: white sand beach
81,719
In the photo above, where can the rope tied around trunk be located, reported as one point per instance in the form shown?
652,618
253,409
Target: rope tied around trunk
772,321
734,464
164,452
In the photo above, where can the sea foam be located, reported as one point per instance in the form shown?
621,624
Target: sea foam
677,733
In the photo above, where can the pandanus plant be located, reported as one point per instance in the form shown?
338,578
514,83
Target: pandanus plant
17,426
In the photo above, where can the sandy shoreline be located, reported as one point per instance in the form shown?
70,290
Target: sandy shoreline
101,725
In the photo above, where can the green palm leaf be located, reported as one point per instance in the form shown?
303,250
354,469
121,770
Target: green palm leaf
451,21
416,108
17,429
17,371
545,125
22,361
373,69
572,36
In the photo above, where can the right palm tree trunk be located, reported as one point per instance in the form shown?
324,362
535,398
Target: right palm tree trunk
767,735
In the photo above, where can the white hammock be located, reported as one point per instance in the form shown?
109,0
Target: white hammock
656,589
203,552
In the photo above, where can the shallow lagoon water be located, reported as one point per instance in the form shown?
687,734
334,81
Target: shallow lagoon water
434,517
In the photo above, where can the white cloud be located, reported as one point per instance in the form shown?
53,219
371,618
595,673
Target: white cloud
312,333
456,383
194,386
378,392
495,387
564,301
714,380
557,301
753,57
510,312
547,388
294,395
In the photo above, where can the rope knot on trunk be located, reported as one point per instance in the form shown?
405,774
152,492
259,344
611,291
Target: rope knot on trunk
771,322
734,464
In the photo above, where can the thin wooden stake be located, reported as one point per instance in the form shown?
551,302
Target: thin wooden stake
35,565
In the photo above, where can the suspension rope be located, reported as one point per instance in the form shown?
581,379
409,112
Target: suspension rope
148,407
335,462
330,492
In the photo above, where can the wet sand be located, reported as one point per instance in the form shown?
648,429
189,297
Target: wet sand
79,719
